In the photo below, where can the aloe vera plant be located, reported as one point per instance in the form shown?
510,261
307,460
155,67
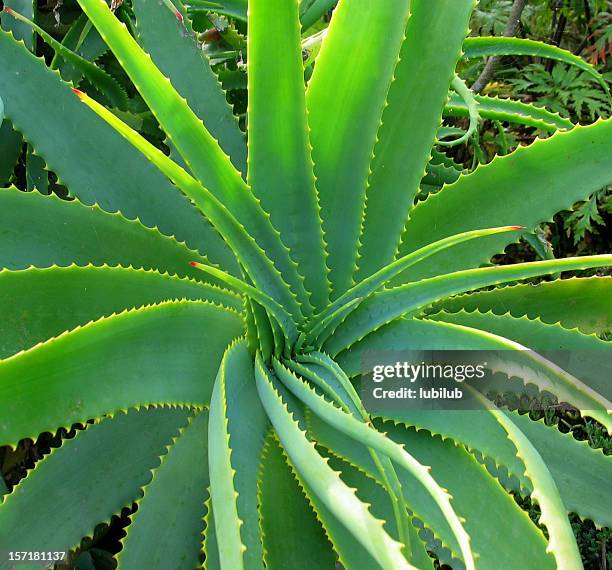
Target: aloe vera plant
202,315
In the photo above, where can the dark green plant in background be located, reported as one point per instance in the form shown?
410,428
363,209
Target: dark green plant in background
583,27
565,90
196,308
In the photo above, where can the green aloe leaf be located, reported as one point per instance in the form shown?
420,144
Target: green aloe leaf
93,475
88,147
102,81
585,303
336,386
11,141
581,355
21,30
434,35
390,304
180,57
200,151
292,535
237,431
439,174
184,128
578,469
372,492
175,494
546,172
351,554
340,227
517,361
315,9
238,9
251,256
274,309
82,38
341,89
234,8
37,177
280,165
324,328
210,546
370,437
495,46
462,90
369,285
343,504
515,112
264,336
326,375
115,363
36,228
561,542
58,299
478,430
489,512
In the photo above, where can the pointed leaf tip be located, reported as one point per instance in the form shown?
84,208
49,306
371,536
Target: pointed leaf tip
518,227
78,92
174,10
193,263
8,10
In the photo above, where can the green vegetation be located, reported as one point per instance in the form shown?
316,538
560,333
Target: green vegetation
191,280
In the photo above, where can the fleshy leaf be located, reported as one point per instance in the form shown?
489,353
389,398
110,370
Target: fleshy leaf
115,363
496,46
508,110
93,476
238,427
583,356
10,148
345,101
507,356
434,35
585,303
37,304
280,166
45,230
369,285
175,494
200,151
104,83
180,57
88,147
292,536
390,304
258,266
370,437
561,542
558,171
484,504
372,492
325,483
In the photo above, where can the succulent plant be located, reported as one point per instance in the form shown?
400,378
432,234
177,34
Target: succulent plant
201,315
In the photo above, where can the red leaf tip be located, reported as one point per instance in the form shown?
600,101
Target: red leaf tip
8,10
179,16
518,227
193,263
77,92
